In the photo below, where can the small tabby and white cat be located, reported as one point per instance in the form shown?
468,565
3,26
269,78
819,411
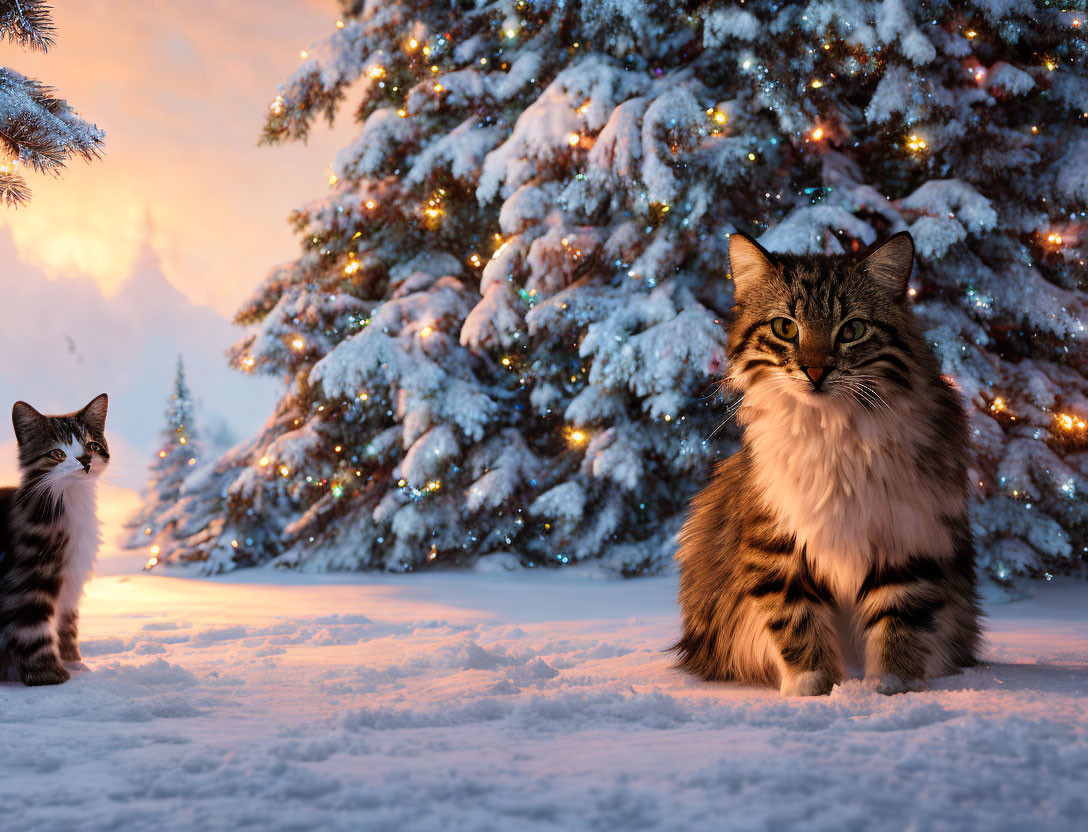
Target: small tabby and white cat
837,540
49,537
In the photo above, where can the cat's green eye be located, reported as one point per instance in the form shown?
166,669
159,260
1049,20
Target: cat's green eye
784,328
58,455
851,331
94,447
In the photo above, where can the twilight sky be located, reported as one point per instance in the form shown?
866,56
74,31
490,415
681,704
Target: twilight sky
118,266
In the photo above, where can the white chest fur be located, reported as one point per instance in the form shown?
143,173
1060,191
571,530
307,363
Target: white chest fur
846,483
84,536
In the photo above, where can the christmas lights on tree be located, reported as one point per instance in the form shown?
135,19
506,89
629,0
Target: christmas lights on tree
506,324
38,130
178,455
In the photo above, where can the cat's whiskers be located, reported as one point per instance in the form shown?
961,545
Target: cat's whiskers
730,413
865,395
866,382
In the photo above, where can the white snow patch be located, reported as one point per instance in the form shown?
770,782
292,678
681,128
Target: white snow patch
515,700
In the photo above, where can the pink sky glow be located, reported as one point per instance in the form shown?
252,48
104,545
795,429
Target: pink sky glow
119,265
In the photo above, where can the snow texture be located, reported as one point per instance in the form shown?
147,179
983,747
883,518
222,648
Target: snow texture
504,700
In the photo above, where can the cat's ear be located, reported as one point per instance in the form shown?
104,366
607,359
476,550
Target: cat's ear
26,420
749,262
890,263
94,414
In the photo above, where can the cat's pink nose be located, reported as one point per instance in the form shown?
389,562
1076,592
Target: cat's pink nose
815,373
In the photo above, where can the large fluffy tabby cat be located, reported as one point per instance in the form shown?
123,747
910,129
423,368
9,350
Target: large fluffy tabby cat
837,539
49,538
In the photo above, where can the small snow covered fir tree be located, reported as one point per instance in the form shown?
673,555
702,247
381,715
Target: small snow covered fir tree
178,453
37,130
505,324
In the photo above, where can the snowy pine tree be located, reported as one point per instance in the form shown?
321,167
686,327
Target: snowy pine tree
37,130
178,453
507,315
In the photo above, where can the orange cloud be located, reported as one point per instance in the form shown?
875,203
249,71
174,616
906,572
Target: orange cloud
181,92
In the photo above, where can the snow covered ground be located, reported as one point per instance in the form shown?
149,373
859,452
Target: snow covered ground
515,702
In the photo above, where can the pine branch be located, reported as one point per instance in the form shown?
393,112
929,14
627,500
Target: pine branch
28,23
13,189
39,129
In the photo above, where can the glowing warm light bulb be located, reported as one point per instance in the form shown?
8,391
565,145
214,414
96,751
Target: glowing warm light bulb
998,405
370,205
980,75
575,436
277,105
720,117
352,267
438,88
506,361
376,72
234,544
511,33
474,259
156,549
297,343
284,471
1054,238
304,54
817,134
192,461
425,331
264,461
413,45
363,396
1070,421
971,34
816,83
402,113
916,144
182,440
751,157
248,362
338,448
339,24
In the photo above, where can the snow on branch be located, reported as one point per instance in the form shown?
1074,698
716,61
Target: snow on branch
28,23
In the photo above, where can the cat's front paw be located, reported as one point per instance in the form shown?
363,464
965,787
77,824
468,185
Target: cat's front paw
44,674
889,684
809,683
